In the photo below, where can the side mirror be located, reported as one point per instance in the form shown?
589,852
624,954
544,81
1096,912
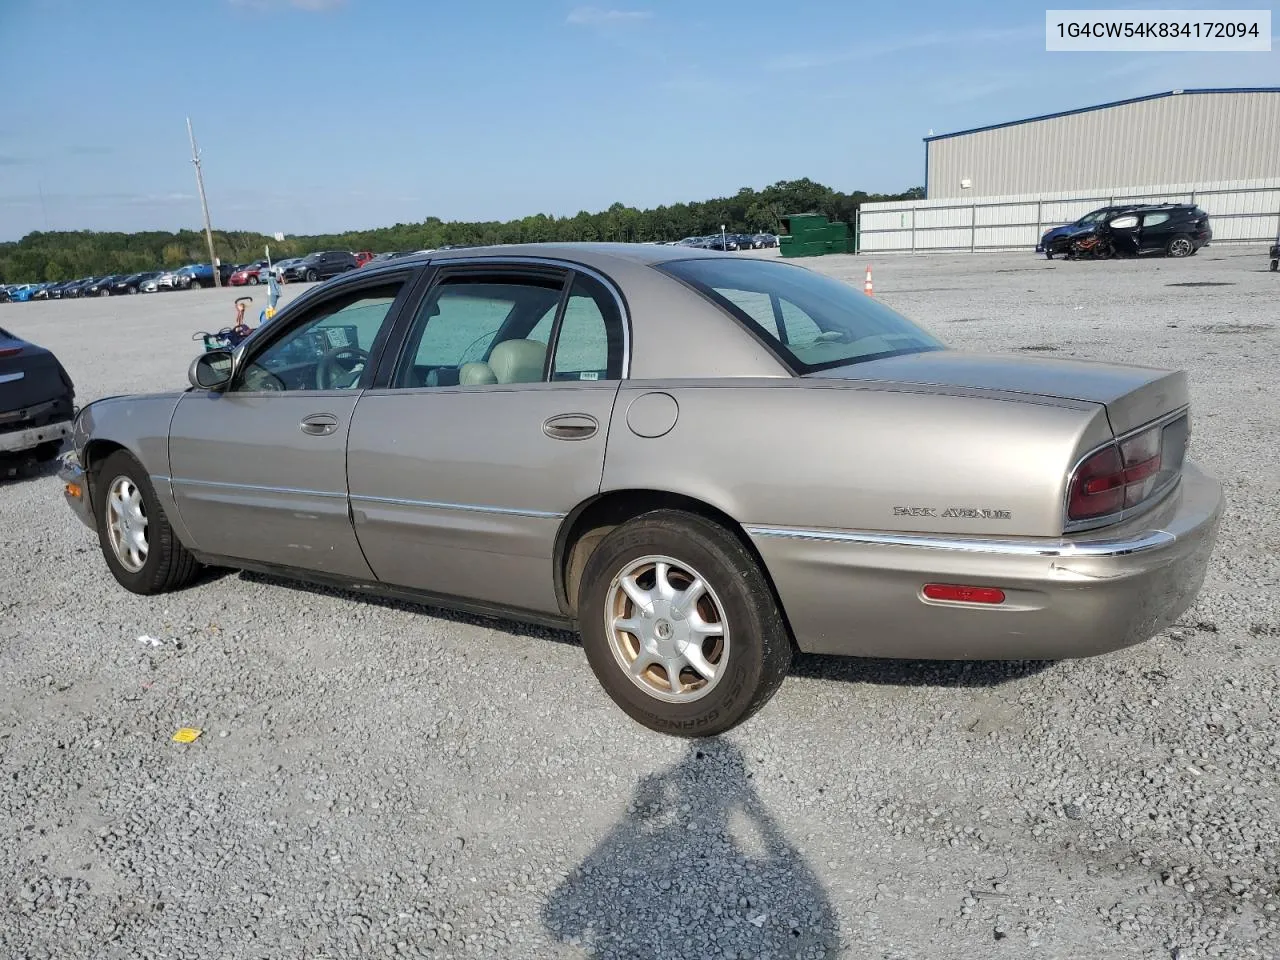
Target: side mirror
211,370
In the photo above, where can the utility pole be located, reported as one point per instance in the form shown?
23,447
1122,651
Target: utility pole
208,230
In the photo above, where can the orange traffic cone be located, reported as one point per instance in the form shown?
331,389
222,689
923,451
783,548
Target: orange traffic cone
867,287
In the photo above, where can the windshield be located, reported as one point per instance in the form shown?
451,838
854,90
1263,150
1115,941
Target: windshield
813,321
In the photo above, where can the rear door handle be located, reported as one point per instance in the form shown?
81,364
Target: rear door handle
319,424
570,426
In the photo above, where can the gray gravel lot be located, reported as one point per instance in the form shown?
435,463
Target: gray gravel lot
383,780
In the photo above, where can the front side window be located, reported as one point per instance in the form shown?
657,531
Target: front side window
813,321
328,348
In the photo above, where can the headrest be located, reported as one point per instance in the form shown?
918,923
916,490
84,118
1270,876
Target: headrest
471,374
518,361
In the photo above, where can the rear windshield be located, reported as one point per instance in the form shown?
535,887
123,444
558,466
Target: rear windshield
811,320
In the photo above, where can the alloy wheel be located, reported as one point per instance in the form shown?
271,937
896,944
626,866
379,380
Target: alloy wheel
127,524
667,629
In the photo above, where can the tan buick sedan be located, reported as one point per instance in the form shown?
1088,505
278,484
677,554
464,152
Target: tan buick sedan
700,461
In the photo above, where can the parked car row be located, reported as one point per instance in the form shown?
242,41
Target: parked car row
728,241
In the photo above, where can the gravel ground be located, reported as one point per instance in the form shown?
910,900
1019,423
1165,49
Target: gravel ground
384,780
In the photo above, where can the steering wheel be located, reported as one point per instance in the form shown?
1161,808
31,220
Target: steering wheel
334,375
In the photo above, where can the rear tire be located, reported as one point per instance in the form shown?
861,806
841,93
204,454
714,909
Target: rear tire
1275,265
1179,246
732,630
253,281
158,561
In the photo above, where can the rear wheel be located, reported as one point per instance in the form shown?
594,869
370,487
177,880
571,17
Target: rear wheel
135,536
253,281
1275,265
1179,246
680,625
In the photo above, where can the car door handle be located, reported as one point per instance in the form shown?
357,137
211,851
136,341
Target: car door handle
570,426
319,424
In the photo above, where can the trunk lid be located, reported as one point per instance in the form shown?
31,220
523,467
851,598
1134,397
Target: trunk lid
1132,395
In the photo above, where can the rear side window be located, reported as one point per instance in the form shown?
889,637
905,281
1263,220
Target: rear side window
811,320
589,342
1154,219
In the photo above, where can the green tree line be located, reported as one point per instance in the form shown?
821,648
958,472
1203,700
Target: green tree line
41,256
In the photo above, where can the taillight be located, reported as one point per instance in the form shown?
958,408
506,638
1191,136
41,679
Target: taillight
9,352
1116,477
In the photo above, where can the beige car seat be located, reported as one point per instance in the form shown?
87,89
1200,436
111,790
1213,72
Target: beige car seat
475,373
518,361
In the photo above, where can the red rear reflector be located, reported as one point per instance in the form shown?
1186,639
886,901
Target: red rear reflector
956,593
10,351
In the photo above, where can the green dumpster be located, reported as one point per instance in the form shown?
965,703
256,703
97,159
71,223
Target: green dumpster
813,235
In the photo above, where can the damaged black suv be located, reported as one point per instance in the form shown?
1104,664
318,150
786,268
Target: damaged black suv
37,400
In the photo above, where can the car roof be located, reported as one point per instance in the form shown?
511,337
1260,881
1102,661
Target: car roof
595,254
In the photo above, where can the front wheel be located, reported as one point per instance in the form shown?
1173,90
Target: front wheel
104,293
132,290
135,536
312,276
1275,265
680,625
253,281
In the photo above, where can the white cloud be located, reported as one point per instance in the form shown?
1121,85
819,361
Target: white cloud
598,17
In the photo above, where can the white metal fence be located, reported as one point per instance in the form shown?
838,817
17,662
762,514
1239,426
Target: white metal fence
1240,212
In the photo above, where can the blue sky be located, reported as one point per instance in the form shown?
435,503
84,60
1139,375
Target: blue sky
320,115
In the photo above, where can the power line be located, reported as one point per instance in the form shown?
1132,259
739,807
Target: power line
208,230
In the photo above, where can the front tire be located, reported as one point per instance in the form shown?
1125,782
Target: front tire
680,625
253,281
136,539
312,276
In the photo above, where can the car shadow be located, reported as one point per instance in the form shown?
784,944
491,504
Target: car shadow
517,628
696,867
15,469
915,673
885,672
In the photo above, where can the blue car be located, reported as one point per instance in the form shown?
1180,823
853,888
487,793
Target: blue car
1045,245
23,293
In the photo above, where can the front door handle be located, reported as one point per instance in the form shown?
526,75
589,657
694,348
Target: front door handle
570,426
319,424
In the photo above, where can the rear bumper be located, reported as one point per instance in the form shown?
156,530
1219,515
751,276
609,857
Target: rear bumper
857,594
18,441
72,476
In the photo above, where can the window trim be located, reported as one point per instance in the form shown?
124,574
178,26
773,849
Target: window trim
294,315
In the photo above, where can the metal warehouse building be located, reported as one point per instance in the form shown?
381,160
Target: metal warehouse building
999,186
1184,136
